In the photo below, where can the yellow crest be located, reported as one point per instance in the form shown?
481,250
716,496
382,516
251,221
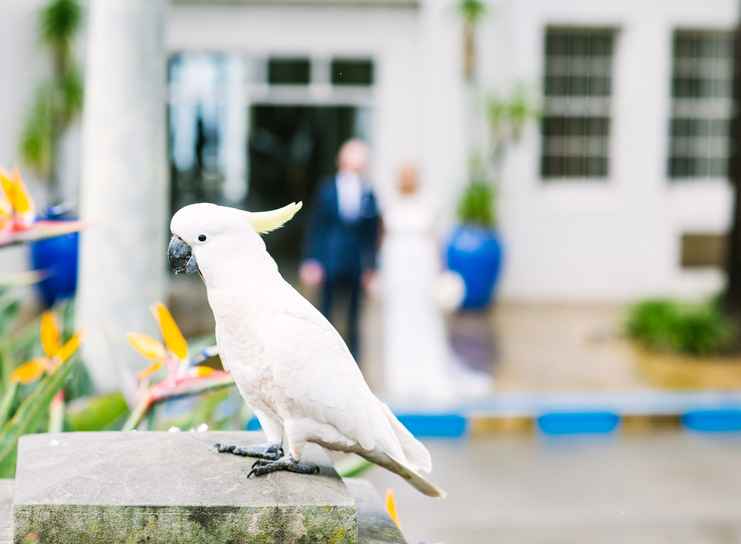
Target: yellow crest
264,222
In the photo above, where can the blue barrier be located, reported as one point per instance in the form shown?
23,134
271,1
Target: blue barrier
718,420
436,425
570,423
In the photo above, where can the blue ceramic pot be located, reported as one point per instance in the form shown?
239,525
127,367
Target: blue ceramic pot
476,254
57,257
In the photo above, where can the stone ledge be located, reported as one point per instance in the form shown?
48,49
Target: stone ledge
6,506
93,488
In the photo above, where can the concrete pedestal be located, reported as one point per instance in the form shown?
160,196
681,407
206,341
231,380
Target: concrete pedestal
92,488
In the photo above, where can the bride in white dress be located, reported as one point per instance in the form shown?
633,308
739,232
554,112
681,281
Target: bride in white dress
419,365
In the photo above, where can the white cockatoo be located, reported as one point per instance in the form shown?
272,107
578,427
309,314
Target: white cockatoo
289,363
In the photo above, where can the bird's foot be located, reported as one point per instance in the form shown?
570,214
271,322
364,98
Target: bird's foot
269,452
287,463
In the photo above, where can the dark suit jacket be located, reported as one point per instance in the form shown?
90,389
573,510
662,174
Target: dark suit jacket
344,248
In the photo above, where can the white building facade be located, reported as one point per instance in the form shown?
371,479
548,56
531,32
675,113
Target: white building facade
594,202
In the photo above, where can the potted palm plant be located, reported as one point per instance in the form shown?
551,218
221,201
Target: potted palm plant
474,249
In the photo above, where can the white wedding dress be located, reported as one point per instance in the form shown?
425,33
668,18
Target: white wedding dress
419,365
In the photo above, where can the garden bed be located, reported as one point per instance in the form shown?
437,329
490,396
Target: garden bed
684,372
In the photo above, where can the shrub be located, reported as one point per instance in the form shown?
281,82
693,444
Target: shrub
698,329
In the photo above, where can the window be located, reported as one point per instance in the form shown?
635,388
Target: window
701,104
352,72
577,89
287,71
702,249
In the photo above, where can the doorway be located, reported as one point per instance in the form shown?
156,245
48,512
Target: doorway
292,149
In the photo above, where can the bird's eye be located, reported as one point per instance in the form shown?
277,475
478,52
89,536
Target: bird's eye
201,237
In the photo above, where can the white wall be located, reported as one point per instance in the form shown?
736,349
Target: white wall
620,238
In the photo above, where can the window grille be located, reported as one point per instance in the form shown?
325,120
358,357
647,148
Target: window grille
577,94
701,104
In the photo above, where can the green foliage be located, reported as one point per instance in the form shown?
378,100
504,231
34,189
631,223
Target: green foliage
472,11
30,416
476,206
97,413
57,101
59,23
35,142
508,115
691,329
204,409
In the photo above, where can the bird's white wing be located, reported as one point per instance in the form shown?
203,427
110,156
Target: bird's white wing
321,376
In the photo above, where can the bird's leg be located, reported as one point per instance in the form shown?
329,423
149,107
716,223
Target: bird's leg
270,452
287,463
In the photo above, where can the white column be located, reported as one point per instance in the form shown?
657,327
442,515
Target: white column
234,130
124,182
444,149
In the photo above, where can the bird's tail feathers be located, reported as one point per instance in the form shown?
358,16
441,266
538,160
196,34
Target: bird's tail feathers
415,452
410,474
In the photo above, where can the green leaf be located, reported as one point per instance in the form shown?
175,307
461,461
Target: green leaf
56,415
36,136
97,413
352,466
71,90
29,416
59,22
6,403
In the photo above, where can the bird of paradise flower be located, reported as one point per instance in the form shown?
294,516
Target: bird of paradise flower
183,375
55,354
18,222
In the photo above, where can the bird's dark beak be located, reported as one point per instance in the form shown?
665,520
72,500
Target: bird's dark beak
182,260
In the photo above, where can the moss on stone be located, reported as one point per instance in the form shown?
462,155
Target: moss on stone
187,525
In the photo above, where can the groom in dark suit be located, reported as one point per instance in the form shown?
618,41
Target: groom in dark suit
342,239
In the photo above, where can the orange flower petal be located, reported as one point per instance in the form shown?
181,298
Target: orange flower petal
50,334
391,507
29,372
6,182
21,198
171,334
147,347
201,371
151,369
69,348
6,210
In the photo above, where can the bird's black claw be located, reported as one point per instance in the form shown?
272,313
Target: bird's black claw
271,452
260,467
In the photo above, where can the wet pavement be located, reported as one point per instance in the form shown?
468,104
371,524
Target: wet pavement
653,488
563,347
